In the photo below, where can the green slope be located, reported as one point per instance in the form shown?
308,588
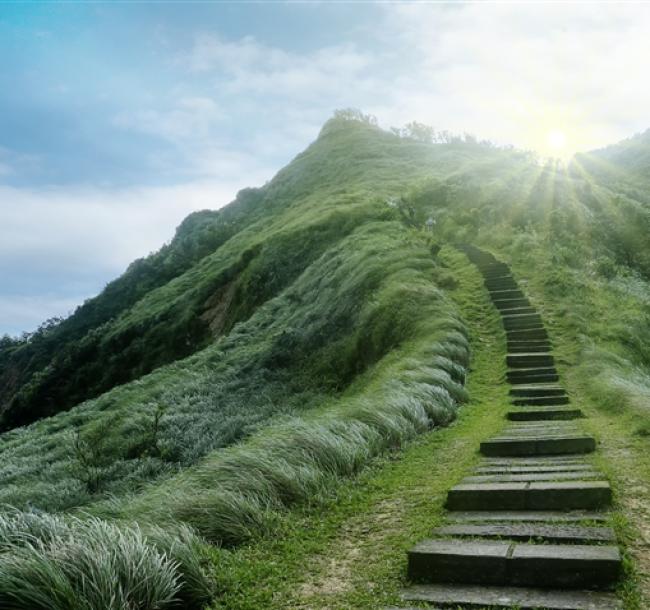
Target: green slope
312,334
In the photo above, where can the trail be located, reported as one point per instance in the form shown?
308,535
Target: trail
527,528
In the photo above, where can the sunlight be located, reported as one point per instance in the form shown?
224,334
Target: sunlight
556,140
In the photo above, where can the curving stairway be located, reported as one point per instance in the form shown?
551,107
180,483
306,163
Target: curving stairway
527,528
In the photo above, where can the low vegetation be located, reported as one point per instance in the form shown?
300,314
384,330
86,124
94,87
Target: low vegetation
232,385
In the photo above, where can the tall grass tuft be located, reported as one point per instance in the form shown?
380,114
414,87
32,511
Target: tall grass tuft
48,562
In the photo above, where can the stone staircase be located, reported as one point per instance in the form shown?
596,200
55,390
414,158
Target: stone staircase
527,528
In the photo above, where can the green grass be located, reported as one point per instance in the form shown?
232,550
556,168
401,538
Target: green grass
51,563
264,371
351,552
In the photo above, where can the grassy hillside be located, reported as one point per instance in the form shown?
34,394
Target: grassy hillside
218,269
277,348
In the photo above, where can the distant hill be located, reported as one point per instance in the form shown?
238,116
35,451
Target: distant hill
624,166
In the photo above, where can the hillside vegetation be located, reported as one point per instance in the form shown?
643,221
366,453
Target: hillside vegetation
277,347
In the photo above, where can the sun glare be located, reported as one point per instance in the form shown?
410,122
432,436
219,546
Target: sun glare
556,140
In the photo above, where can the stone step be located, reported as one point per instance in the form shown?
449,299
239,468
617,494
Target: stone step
541,401
529,531
527,361
545,413
496,269
545,516
527,334
528,378
522,321
561,495
532,342
538,389
559,445
505,563
510,303
476,596
527,460
531,347
532,476
573,467
517,311
502,295
505,279
539,427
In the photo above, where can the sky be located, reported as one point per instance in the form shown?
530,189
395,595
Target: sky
117,119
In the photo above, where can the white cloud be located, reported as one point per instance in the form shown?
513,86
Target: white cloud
73,238
190,117
506,71
102,229
248,66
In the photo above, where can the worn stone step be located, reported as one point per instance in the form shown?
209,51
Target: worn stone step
496,269
522,343
541,446
527,334
541,401
529,531
531,347
533,428
518,311
522,321
546,516
477,597
504,469
527,361
528,460
502,295
496,283
504,563
581,475
536,371
545,413
529,378
560,495
540,426
537,389
501,304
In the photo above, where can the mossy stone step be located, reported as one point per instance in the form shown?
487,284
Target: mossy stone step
532,476
526,361
526,334
495,270
534,371
553,427
538,389
516,347
559,445
501,304
501,284
560,495
542,401
522,321
525,378
500,295
546,516
480,597
529,531
573,467
545,414
504,563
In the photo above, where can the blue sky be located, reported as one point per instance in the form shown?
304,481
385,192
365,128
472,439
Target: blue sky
119,118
